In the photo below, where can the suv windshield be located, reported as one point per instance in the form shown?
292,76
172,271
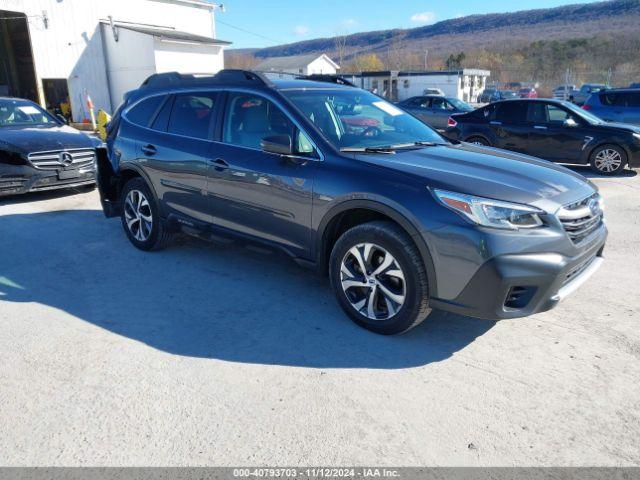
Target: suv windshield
355,119
23,113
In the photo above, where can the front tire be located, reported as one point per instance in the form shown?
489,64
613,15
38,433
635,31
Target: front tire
608,160
140,217
480,141
379,278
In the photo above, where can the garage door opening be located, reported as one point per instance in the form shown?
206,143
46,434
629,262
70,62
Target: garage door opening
56,96
17,71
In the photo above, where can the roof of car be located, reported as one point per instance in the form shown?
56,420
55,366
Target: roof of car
301,84
174,80
623,90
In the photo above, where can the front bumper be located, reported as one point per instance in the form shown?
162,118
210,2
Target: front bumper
519,285
18,179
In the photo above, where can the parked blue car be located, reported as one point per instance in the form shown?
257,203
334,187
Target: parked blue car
619,105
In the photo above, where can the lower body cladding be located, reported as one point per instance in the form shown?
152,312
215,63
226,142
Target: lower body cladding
522,284
17,179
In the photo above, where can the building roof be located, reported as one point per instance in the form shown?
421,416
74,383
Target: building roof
389,73
170,34
291,62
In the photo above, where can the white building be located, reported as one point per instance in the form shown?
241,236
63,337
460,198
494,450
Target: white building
300,65
465,84
51,49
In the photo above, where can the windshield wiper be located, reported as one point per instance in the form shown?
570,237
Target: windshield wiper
383,149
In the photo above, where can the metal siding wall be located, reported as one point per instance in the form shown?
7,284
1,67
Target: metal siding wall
71,47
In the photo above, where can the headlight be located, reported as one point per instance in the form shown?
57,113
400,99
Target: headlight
636,136
491,213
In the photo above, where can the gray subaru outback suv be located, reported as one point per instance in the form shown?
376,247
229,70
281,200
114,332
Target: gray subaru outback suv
401,219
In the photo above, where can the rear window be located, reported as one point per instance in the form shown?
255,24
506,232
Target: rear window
143,112
511,112
192,115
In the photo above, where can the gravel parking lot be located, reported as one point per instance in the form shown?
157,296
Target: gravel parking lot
222,355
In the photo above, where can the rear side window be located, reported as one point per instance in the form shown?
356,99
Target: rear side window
608,99
634,99
511,112
192,115
420,102
142,113
161,121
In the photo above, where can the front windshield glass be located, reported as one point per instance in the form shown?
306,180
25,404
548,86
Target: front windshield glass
23,113
356,119
589,117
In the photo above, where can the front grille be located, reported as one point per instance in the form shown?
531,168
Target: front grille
582,218
53,160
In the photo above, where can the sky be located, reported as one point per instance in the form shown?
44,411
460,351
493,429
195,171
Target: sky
264,23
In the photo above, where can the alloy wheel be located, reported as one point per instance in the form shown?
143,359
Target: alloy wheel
608,160
373,281
138,215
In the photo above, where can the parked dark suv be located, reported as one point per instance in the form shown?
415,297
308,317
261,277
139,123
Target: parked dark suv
551,129
403,220
39,152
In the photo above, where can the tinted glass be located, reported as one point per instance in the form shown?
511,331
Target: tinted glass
627,99
420,102
21,112
634,99
161,121
143,112
250,118
511,112
192,115
378,124
440,104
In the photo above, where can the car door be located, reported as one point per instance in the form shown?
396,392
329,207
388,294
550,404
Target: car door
509,126
176,150
441,110
552,137
262,195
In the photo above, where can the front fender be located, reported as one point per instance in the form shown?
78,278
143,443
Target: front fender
387,207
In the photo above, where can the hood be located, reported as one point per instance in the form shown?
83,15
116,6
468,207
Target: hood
490,173
40,139
627,127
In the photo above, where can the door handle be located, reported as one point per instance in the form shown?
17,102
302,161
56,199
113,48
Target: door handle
149,150
219,164
540,127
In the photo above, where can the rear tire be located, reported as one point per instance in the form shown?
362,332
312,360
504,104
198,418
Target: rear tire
391,294
141,219
608,160
478,141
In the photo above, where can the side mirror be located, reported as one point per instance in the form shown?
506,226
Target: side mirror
62,118
570,123
279,144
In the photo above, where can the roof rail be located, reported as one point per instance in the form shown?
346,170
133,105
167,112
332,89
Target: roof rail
169,79
323,77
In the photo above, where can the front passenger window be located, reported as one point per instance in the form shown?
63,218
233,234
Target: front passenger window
250,118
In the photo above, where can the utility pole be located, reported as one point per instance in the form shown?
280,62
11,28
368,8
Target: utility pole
426,59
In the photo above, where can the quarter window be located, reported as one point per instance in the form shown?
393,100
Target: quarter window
143,112
192,115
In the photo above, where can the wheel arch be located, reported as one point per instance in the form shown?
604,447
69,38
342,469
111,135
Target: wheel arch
355,212
480,135
608,141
